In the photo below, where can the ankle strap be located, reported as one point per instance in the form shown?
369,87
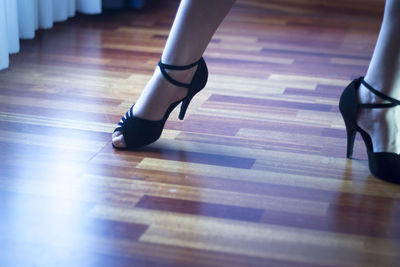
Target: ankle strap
393,102
164,67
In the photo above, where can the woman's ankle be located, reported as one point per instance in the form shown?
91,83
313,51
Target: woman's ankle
159,93
380,123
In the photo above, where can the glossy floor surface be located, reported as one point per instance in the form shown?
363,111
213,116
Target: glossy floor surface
255,175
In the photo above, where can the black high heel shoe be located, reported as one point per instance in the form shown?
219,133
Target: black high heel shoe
139,132
383,165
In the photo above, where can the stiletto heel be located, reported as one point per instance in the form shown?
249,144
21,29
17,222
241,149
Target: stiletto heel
139,132
351,136
383,165
184,106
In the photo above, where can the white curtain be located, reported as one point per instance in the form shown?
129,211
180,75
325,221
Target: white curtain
21,18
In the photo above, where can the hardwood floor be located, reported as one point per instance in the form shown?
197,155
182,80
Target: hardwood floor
255,175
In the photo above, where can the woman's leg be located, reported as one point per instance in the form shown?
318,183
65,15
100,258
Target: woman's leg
194,25
384,75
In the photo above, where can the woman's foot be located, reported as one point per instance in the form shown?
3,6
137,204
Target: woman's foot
156,97
382,124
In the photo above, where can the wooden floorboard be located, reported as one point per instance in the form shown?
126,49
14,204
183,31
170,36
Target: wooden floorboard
255,175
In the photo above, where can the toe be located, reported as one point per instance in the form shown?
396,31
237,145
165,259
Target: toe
116,134
118,139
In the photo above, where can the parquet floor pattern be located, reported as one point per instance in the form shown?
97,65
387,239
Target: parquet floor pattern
255,175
